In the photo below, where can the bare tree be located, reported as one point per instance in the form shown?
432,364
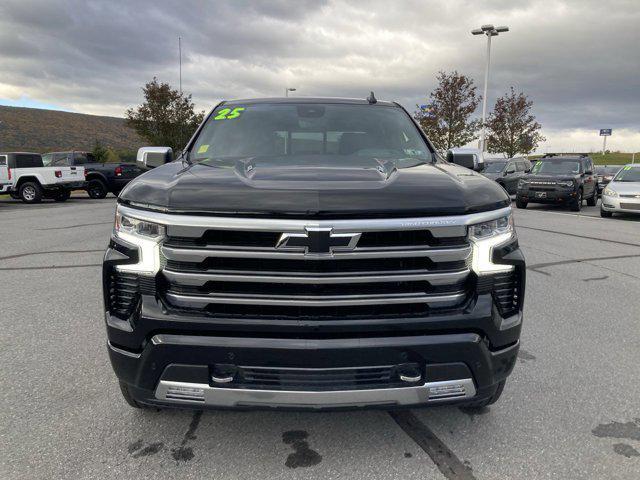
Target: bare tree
446,119
512,128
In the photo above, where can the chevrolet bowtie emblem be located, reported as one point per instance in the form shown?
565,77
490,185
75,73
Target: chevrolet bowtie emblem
318,241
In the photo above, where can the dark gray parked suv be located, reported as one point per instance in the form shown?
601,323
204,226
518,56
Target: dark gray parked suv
507,172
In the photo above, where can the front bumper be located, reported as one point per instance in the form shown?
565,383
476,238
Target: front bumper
620,204
454,369
549,196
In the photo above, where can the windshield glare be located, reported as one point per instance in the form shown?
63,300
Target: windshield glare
628,174
303,130
495,167
567,167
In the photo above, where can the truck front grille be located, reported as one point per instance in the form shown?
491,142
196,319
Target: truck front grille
241,271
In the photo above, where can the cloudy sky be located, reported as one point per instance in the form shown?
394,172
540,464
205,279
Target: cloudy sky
578,60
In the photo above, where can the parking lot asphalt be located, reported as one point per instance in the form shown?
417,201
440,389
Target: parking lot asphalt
571,409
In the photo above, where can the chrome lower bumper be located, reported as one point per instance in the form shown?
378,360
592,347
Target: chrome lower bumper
202,394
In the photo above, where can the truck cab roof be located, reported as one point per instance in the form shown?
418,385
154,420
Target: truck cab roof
311,100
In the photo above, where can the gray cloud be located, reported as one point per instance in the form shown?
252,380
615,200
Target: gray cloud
578,60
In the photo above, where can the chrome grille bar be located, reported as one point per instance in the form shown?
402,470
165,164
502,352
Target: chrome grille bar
314,301
199,279
199,255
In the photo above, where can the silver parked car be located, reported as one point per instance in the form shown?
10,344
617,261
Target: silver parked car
622,194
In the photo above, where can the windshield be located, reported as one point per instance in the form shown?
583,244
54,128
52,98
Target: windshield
494,167
302,130
607,170
555,167
628,174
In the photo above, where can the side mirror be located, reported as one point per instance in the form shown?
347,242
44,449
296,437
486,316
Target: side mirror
151,157
467,160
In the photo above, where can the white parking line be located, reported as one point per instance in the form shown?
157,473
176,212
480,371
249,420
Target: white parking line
567,213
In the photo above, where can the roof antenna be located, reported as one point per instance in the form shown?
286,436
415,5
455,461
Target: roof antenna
372,98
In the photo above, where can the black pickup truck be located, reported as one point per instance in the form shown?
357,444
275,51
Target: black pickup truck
311,254
102,178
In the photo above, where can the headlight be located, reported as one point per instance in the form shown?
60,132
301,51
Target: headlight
146,236
566,183
484,237
610,193
134,226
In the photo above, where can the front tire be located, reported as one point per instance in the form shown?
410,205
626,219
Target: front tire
521,203
594,199
479,404
30,192
576,206
605,214
126,394
97,189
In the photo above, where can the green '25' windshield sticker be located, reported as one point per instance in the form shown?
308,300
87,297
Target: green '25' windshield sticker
228,114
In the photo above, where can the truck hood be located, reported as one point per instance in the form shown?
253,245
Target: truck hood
315,186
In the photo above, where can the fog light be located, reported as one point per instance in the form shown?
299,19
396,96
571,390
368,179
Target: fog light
185,393
446,391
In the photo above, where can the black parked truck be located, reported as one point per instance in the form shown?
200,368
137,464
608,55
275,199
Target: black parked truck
101,177
311,253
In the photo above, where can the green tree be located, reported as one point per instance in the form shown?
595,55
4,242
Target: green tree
112,156
166,118
100,152
512,128
446,119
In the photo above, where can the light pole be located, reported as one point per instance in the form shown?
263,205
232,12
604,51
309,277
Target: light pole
287,90
489,31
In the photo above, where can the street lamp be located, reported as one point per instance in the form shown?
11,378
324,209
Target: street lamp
287,90
489,31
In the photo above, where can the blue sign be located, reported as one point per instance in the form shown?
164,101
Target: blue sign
605,132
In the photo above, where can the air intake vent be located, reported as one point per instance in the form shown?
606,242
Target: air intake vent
123,293
125,290
506,294
311,379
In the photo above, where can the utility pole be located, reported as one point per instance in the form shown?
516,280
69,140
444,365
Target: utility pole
489,31
180,61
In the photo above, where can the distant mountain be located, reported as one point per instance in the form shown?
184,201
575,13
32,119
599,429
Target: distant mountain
36,130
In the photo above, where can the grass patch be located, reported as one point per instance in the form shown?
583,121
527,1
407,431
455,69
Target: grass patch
610,158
